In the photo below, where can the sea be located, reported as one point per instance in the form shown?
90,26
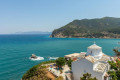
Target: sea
15,51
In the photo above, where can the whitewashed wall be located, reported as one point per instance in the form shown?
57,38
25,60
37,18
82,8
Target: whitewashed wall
83,66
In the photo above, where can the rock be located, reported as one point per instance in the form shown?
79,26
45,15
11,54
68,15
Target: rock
34,56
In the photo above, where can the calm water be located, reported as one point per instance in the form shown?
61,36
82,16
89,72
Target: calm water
15,51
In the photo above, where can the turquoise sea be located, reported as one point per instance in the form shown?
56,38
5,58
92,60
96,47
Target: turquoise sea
15,51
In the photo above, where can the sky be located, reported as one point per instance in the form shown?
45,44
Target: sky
47,15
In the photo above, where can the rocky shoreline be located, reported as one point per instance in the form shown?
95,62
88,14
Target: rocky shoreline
104,37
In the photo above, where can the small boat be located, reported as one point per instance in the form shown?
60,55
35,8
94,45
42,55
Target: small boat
34,56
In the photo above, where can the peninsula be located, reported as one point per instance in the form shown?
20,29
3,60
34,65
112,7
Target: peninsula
106,27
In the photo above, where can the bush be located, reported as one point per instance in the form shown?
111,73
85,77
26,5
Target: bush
113,65
30,72
69,63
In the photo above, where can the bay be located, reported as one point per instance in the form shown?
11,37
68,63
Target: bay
15,51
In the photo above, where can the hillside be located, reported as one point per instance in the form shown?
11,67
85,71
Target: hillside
107,27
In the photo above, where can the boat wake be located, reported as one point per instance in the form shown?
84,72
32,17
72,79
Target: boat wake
38,58
53,58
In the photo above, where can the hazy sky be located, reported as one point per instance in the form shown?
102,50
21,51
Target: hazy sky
47,15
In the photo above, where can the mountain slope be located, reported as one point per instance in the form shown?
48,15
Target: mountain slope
107,27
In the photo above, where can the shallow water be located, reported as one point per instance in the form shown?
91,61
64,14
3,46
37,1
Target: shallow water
15,51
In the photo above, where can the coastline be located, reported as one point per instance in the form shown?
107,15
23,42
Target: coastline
84,37
60,36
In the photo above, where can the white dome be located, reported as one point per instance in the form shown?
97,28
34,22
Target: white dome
94,46
94,50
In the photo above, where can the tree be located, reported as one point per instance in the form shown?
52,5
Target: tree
87,76
69,63
116,52
60,62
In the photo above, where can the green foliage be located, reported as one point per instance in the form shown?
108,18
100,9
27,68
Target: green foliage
69,63
31,72
115,73
90,27
118,74
113,65
60,62
47,62
87,76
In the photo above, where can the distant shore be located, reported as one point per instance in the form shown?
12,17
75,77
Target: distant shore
86,37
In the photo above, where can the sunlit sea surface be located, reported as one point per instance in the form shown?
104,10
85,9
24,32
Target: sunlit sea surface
15,51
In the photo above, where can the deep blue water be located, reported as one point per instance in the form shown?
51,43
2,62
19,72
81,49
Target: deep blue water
15,51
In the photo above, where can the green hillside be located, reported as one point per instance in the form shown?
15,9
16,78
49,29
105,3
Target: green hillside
107,27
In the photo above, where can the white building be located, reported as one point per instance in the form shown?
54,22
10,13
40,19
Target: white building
73,56
93,62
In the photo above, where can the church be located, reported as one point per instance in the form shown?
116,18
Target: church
94,61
